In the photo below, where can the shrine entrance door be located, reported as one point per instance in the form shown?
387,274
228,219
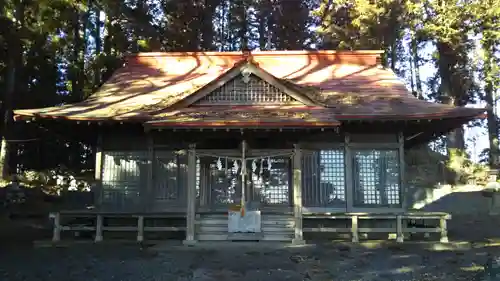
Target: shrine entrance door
247,182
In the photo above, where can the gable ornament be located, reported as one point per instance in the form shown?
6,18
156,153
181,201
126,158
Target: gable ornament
246,75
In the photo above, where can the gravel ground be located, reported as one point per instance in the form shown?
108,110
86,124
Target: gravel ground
340,262
20,260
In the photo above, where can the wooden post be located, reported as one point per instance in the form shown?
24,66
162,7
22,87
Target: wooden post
403,191
348,174
243,175
98,195
354,229
140,229
297,195
399,229
444,230
147,199
56,235
98,229
204,186
191,197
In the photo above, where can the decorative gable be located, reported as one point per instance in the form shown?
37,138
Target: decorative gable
247,89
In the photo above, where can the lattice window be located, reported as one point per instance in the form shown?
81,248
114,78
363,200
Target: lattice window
269,179
170,175
220,179
376,178
123,175
323,178
256,91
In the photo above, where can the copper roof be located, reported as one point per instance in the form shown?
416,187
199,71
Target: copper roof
352,84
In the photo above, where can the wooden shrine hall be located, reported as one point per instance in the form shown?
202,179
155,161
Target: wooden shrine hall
268,145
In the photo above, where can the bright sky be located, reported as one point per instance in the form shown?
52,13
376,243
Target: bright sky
476,138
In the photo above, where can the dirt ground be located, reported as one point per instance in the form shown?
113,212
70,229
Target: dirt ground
20,259
248,263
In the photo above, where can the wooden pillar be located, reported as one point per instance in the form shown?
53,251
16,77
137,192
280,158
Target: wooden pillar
98,195
147,199
399,229
98,228
56,235
444,230
354,229
348,159
297,195
191,197
140,229
402,166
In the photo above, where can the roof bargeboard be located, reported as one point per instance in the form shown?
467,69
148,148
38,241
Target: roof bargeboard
349,85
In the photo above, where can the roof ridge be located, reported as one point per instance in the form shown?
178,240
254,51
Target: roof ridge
260,53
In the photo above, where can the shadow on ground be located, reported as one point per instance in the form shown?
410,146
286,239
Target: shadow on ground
328,261
471,220
339,261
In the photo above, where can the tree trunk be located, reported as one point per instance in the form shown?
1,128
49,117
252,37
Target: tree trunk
98,46
489,97
394,54
243,26
207,28
412,76
81,53
7,119
76,90
263,14
446,63
455,141
108,38
15,55
416,66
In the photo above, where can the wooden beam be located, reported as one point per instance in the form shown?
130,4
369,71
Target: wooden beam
191,197
374,145
297,195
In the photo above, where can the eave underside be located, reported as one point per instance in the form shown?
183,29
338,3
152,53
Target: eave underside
415,131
